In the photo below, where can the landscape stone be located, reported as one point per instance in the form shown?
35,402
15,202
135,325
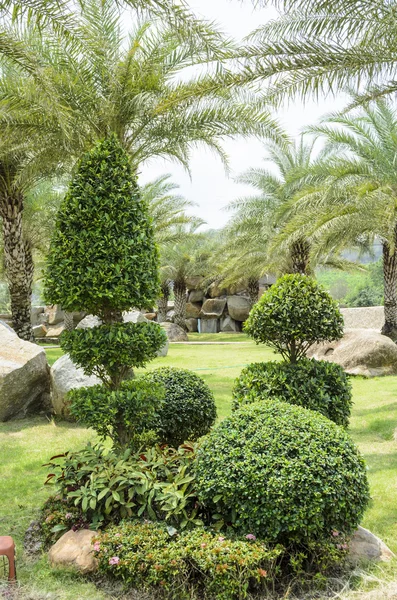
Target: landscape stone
150,316
360,352
364,545
238,307
134,316
89,321
170,315
193,310
65,376
174,332
196,296
39,331
229,325
192,325
366,317
210,326
75,549
213,308
34,314
55,331
55,314
194,283
24,376
216,291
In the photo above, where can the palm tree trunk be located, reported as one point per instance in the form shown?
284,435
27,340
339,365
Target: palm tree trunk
253,290
68,320
18,265
300,256
180,303
162,302
390,289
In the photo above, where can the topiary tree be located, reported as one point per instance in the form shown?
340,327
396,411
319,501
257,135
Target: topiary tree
293,315
103,260
188,411
316,384
283,473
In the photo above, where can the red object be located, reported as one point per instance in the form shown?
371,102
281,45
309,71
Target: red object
7,548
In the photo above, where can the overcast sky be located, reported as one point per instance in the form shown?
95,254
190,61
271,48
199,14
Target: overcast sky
209,186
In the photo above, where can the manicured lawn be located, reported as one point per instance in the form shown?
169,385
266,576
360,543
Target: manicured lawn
26,445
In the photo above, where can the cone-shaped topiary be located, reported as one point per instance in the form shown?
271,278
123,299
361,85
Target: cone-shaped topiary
293,315
103,258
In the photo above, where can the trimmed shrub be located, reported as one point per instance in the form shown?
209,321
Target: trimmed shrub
283,473
318,385
105,486
293,315
188,411
123,414
196,563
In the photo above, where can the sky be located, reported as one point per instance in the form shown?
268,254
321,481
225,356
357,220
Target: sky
209,187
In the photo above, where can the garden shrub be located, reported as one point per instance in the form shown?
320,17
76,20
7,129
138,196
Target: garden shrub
105,486
318,385
197,563
123,415
293,315
188,411
57,516
282,472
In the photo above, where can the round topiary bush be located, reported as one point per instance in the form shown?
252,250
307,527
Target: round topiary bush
283,473
319,385
188,410
293,315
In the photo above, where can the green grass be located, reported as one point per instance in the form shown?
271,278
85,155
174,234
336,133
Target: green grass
26,445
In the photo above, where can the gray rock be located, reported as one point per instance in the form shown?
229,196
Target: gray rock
170,316
134,316
6,325
39,331
210,326
360,352
196,296
174,332
36,311
193,310
213,308
55,314
65,376
365,546
89,321
55,330
229,325
216,291
192,325
24,376
194,283
75,549
368,317
238,307
164,350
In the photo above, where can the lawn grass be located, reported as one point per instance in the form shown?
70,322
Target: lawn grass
26,445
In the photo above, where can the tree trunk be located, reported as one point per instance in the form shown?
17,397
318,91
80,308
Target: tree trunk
180,304
18,265
390,289
253,291
300,256
163,302
68,321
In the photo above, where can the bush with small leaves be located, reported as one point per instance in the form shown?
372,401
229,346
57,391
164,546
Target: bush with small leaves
123,414
319,385
293,315
188,411
282,472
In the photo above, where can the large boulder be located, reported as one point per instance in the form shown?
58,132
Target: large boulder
213,308
229,325
360,352
89,321
193,310
24,376
55,331
365,546
192,325
215,290
196,296
174,332
210,326
39,331
35,312
238,307
366,317
75,549
55,314
65,376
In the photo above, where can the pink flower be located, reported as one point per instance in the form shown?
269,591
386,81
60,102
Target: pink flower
335,533
203,545
97,547
221,539
251,536
114,560
117,535
342,546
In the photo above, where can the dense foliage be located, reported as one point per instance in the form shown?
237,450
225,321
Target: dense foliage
293,315
158,484
111,351
319,385
103,258
122,414
188,411
149,556
284,473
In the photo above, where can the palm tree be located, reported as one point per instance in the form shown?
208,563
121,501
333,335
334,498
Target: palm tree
351,194
319,46
130,86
